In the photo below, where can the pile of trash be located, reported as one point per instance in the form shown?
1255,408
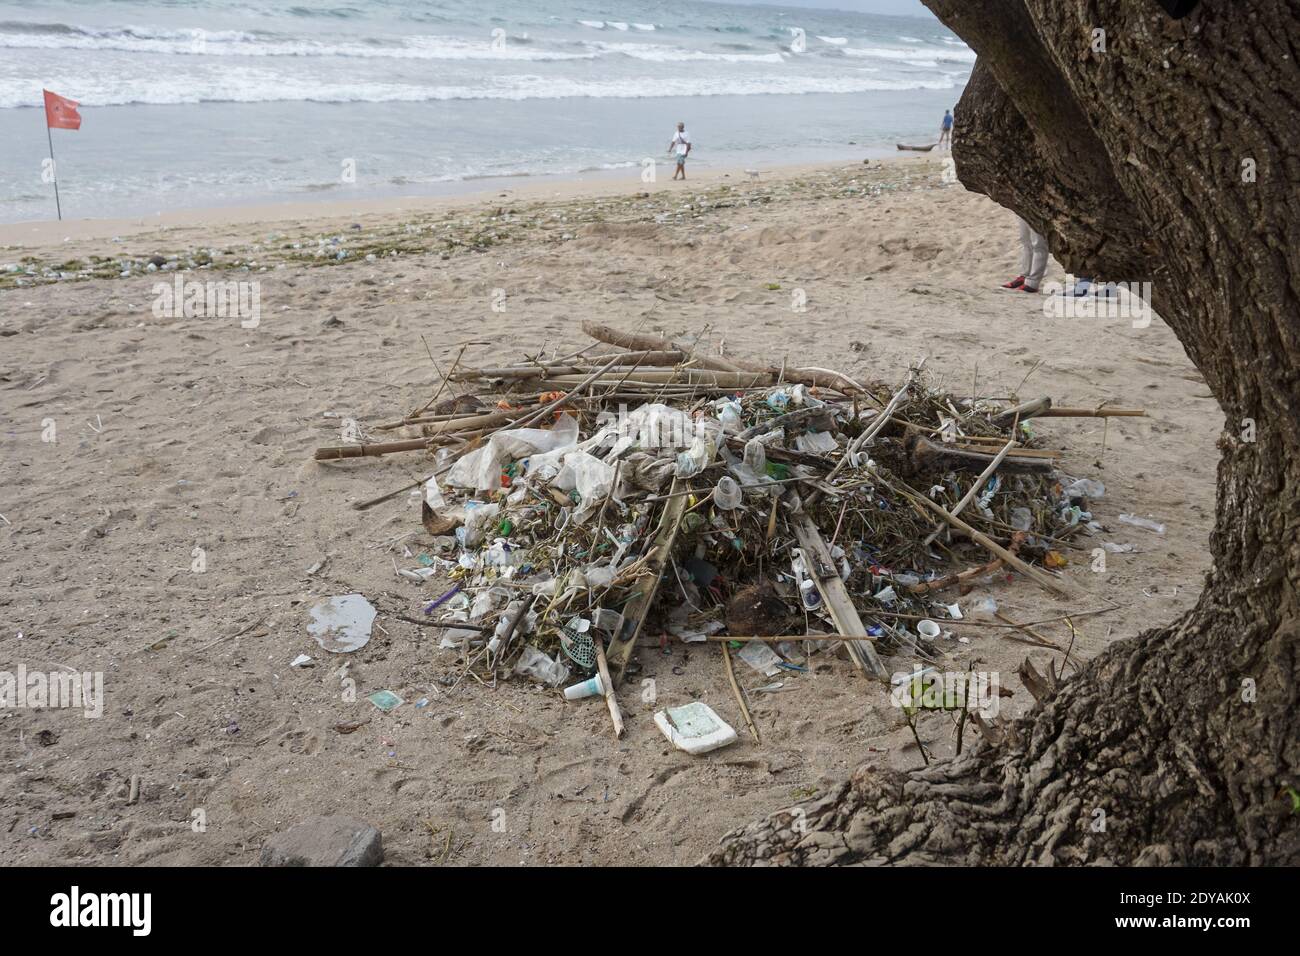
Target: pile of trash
642,488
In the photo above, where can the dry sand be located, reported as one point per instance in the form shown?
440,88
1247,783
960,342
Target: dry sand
174,434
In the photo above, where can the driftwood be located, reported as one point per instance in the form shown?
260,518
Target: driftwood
1043,408
960,578
602,667
372,450
543,369
634,613
813,377
931,455
778,638
1100,412
1020,412
688,376
836,596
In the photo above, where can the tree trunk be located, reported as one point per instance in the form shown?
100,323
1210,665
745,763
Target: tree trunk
1169,156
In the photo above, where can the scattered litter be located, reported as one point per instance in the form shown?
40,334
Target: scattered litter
927,629
1144,523
591,687
761,657
341,624
385,700
540,667
695,728
1084,488
302,660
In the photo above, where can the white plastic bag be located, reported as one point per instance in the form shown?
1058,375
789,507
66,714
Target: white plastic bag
533,663
481,469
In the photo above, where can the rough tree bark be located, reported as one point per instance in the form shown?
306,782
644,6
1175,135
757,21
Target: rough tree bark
1169,157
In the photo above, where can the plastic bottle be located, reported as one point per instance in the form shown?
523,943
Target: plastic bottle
808,592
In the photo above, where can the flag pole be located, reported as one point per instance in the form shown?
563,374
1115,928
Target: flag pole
54,169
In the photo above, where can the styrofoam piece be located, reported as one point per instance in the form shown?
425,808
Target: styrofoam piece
695,728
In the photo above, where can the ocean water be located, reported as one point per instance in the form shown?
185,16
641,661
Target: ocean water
190,103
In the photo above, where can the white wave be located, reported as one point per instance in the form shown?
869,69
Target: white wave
660,53
594,24
643,26
837,41
919,56
616,24
234,43
249,85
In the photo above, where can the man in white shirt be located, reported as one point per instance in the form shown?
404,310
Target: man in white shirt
681,145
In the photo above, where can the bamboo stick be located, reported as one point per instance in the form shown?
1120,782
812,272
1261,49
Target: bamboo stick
1042,578
543,369
602,667
1037,638
1100,412
974,488
740,698
372,450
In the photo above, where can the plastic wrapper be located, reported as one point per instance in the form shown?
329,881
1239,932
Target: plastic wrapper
535,664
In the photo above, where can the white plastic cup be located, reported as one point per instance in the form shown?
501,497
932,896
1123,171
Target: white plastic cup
927,629
592,687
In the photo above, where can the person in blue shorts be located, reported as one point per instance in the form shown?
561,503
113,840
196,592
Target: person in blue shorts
945,129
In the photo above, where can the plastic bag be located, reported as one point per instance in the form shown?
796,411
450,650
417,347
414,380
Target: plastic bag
481,469
1145,523
504,624
1085,488
815,443
729,413
590,477
433,496
533,663
478,518
1022,519
696,458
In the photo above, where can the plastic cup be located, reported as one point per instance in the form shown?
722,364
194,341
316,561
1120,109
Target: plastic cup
927,629
592,687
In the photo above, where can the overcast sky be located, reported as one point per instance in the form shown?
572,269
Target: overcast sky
912,8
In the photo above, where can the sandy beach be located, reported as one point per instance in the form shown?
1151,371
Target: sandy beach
131,440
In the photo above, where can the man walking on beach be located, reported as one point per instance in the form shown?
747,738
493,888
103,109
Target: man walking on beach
945,129
681,145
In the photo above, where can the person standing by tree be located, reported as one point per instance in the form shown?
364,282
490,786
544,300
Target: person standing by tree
945,129
1033,260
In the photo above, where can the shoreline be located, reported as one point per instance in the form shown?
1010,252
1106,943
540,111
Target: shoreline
32,235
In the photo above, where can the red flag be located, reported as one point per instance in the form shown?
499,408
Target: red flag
60,112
